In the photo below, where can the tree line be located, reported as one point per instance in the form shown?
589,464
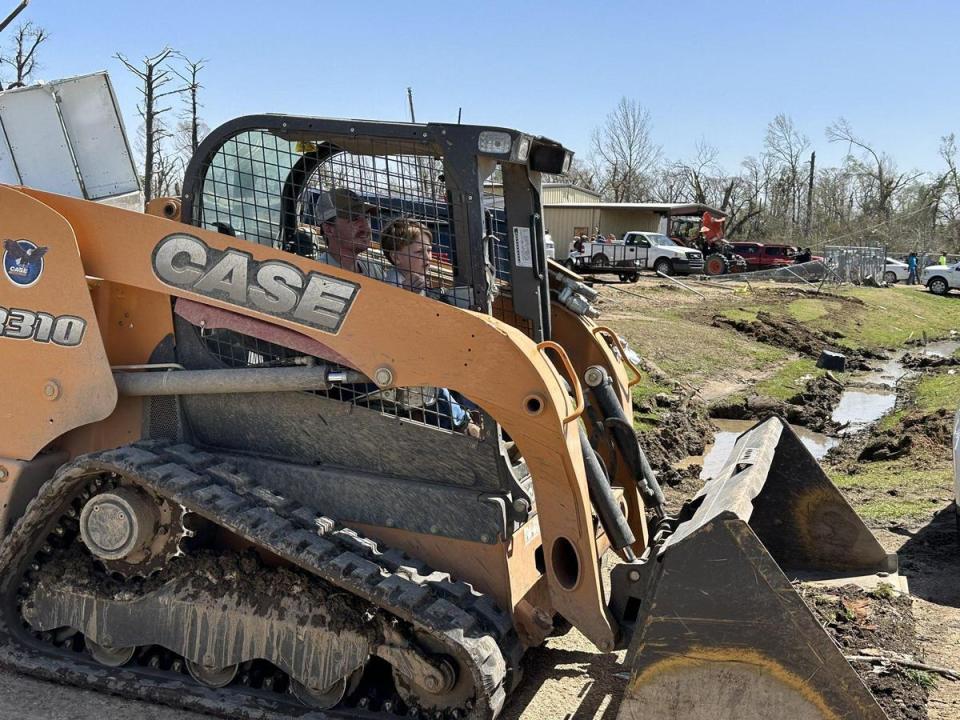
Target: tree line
168,82
780,193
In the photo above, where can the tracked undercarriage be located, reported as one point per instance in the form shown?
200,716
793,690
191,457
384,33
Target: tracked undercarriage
328,622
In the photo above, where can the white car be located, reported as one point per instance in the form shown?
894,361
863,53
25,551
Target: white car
895,271
940,279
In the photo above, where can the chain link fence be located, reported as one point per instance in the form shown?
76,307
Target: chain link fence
840,264
855,264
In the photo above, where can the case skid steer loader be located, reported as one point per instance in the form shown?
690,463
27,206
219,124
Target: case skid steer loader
244,474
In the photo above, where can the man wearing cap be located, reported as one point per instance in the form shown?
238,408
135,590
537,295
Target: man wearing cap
345,219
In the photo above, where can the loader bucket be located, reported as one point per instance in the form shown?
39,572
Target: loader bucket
719,630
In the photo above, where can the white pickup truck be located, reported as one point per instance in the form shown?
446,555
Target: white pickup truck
637,251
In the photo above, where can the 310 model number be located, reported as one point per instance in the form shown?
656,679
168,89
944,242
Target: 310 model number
65,330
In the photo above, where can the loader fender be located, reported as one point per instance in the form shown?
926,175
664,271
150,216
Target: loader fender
56,373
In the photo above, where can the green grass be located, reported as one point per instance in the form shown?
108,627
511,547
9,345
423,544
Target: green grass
643,393
891,317
742,314
890,474
932,479
883,591
891,420
920,677
788,380
808,309
688,349
938,391
883,511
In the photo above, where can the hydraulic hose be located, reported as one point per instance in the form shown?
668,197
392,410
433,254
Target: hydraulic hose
601,385
601,494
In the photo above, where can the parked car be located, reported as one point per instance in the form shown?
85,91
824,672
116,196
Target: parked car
940,279
637,251
894,271
765,256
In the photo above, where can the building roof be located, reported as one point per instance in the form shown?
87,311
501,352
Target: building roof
582,189
671,209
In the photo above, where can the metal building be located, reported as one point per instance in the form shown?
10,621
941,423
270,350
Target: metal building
569,211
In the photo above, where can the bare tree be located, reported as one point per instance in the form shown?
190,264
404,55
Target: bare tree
168,172
786,146
154,76
625,152
190,123
698,172
582,173
879,178
22,56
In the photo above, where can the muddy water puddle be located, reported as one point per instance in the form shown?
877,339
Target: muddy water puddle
861,407
726,437
858,408
942,348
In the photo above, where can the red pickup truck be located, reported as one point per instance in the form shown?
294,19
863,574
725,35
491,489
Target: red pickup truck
764,256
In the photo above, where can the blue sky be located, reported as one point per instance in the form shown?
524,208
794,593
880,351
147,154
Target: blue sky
719,71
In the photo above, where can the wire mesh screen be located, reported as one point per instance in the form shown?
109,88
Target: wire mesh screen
243,186
435,407
384,216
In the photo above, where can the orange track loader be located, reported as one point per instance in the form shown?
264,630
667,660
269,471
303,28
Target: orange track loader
250,467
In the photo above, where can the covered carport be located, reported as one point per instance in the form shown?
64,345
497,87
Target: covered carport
564,220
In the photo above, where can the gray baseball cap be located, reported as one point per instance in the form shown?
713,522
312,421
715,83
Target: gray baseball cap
342,202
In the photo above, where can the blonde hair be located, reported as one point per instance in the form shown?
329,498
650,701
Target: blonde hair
402,233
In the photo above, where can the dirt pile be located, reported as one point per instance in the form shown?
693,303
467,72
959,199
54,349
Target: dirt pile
874,623
917,362
787,333
915,429
812,407
684,429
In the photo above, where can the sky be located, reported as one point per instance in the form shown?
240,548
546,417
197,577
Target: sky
712,71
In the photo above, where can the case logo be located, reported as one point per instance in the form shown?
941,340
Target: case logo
272,287
23,261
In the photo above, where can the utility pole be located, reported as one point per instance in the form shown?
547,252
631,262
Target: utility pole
12,16
413,117
806,224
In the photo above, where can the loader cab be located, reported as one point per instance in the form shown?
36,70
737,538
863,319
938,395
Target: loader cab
262,175
264,179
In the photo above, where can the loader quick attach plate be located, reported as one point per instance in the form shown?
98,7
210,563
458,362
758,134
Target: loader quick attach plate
720,631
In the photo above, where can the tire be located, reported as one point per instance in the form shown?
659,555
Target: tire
663,265
890,277
569,264
600,259
938,286
633,277
716,264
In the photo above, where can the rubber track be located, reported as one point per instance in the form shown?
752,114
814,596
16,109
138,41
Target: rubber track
469,623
